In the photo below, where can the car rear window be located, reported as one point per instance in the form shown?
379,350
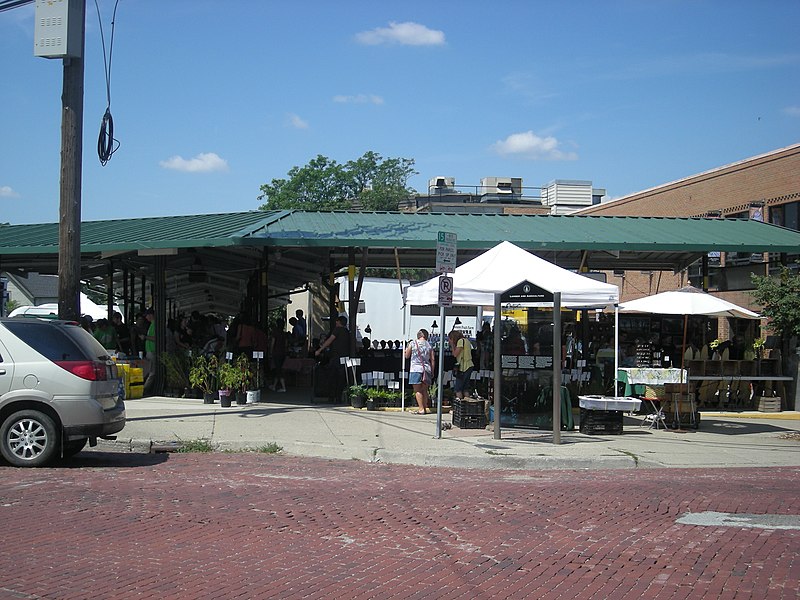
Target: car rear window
57,342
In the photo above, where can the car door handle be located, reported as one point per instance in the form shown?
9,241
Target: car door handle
2,371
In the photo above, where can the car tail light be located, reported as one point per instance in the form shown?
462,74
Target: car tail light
85,369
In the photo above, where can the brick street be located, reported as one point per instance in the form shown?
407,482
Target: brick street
225,525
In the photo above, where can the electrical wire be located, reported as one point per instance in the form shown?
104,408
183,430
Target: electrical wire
9,4
106,143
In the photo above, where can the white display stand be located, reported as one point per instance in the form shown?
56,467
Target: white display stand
622,403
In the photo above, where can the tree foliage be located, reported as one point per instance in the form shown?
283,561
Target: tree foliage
780,297
370,182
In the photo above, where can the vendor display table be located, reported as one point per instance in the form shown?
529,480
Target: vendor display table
603,414
301,369
636,376
299,365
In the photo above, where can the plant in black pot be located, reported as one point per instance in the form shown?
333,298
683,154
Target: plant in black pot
228,382
358,396
245,372
176,373
203,375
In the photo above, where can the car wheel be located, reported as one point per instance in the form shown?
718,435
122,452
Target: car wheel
28,438
72,447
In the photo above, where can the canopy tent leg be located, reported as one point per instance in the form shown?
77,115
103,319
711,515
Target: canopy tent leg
616,350
557,368
498,320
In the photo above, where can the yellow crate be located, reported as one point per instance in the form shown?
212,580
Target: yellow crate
132,380
134,384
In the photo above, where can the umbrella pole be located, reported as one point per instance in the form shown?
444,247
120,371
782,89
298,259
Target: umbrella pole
683,347
683,358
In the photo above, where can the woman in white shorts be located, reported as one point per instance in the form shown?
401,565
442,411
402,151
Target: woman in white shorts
420,373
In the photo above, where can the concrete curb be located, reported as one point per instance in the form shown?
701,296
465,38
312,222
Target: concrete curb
482,460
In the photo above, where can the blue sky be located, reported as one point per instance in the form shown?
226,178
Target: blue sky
213,98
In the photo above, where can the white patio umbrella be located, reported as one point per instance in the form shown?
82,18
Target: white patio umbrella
687,301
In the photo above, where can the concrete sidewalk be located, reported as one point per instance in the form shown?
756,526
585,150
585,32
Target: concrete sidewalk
335,431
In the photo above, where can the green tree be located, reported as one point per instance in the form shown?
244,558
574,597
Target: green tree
780,297
369,183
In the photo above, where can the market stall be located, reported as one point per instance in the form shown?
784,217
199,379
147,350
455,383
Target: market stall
507,273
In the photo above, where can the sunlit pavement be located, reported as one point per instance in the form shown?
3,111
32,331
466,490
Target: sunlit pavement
301,428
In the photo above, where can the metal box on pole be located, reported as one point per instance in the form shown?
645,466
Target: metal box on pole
58,30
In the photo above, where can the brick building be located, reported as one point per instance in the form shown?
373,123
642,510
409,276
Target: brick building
765,187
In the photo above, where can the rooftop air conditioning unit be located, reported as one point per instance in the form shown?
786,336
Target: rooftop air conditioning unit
442,183
501,186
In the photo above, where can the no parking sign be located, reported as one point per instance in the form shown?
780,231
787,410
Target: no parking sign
445,291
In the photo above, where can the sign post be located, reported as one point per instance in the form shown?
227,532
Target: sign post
445,291
446,252
445,263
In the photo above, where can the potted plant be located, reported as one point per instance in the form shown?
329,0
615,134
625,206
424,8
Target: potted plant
245,374
176,372
358,396
203,375
228,382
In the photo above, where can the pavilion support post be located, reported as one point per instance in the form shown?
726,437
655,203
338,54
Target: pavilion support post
332,310
126,310
497,382
160,313
557,368
144,291
109,289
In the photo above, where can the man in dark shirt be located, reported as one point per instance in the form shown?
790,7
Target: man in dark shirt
339,343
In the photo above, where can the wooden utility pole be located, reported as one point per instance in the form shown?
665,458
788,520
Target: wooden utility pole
69,228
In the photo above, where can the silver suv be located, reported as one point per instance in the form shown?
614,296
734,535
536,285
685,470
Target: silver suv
58,390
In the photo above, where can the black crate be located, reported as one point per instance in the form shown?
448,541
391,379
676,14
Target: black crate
469,422
468,408
600,421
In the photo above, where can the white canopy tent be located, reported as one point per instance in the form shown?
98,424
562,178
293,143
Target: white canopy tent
507,271
88,307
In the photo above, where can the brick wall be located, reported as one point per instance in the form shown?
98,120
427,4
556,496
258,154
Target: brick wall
774,177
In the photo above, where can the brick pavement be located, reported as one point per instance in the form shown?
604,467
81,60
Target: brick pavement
109,525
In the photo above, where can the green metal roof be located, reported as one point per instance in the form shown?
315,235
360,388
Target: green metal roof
184,231
222,250
406,230
535,232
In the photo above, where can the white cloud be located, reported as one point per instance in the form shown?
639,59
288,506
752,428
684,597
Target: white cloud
7,192
407,34
296,122
207,162
792,111
358,99
530,146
